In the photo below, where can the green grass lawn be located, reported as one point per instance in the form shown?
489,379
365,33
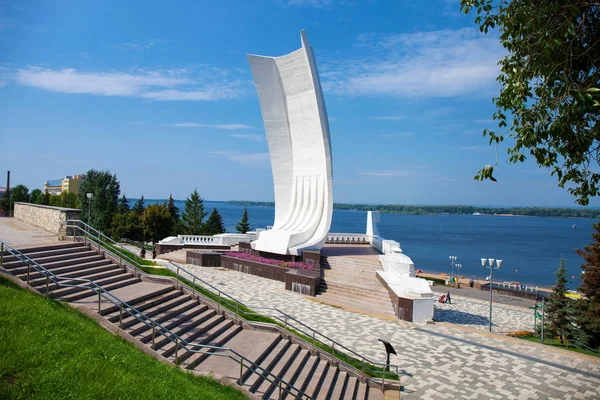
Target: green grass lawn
566,346
50,351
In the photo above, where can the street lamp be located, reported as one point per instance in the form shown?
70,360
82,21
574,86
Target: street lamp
458,267
89,196
489,263
452,261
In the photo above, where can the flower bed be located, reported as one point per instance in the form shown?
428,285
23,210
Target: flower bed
270,261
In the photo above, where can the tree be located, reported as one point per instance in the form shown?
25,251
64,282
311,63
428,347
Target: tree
127,225
193,216
548,101
157,222
588,308
65,199
36,196
46,199
214,224
559,309
105,189
243,226
138,207
123,206
19,193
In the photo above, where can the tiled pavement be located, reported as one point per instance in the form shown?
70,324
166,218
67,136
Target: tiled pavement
439,361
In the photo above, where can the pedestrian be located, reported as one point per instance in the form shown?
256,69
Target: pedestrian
448,300
471,282
153,252
143,252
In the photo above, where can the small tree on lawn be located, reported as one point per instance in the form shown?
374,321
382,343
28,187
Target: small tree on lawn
193,216
127,225
559,308
138,207
588,308
157,222
243,226
214,224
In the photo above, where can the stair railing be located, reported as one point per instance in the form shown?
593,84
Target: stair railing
313,336
157,328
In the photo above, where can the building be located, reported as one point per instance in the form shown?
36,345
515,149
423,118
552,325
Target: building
69,184
2,192
297,128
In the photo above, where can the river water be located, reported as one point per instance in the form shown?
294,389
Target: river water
530,247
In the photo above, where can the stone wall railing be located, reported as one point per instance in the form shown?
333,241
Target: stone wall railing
348,238
50,219
198,239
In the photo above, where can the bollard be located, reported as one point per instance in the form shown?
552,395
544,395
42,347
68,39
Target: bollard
121,317
153,334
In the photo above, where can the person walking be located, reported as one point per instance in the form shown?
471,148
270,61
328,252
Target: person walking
154,252
448,300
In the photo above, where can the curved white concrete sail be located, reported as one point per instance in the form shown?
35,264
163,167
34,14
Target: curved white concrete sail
297,128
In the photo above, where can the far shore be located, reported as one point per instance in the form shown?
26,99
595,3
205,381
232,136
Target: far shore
465,281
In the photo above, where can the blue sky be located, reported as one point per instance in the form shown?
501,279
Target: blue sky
161,94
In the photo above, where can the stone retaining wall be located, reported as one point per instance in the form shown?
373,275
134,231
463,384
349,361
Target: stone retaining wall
48,218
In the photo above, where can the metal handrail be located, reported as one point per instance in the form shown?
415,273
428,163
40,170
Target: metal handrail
179,342
285,318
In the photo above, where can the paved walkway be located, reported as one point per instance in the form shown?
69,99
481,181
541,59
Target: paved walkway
439,361
21,235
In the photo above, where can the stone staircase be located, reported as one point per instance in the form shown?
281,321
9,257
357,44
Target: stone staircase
194,320
351,283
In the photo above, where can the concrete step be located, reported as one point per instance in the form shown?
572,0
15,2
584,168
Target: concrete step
82,294
373,291
313,384
362,391
378,309
188,308
375,393
219,338
100,279
339,386
144,303
350,389
203,319
382,298
267,364
200,334
32,250
306,372
279,369
325,383
293,372
57,264
51,256
96,272
72,270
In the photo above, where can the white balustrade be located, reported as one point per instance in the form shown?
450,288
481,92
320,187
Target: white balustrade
348,238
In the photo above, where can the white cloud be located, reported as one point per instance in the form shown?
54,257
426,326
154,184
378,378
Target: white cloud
173,84
469,132
475,148
398,134
249,136
310,3
388,117
141,46
444,63
254,160
227,127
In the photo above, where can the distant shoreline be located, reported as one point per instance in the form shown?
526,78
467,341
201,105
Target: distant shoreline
545,212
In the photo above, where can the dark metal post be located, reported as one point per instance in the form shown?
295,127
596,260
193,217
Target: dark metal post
121,317
28,269
99,299
543,303
47,284
491,291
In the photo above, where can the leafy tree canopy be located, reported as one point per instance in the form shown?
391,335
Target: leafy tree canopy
105,189
548,102
65,199
36,196
123,206
138,207
243,226
214,225
193,216
157,222
127,225
45,199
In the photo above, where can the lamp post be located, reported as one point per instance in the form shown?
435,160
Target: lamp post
89,196
458,267
489,263
452,261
